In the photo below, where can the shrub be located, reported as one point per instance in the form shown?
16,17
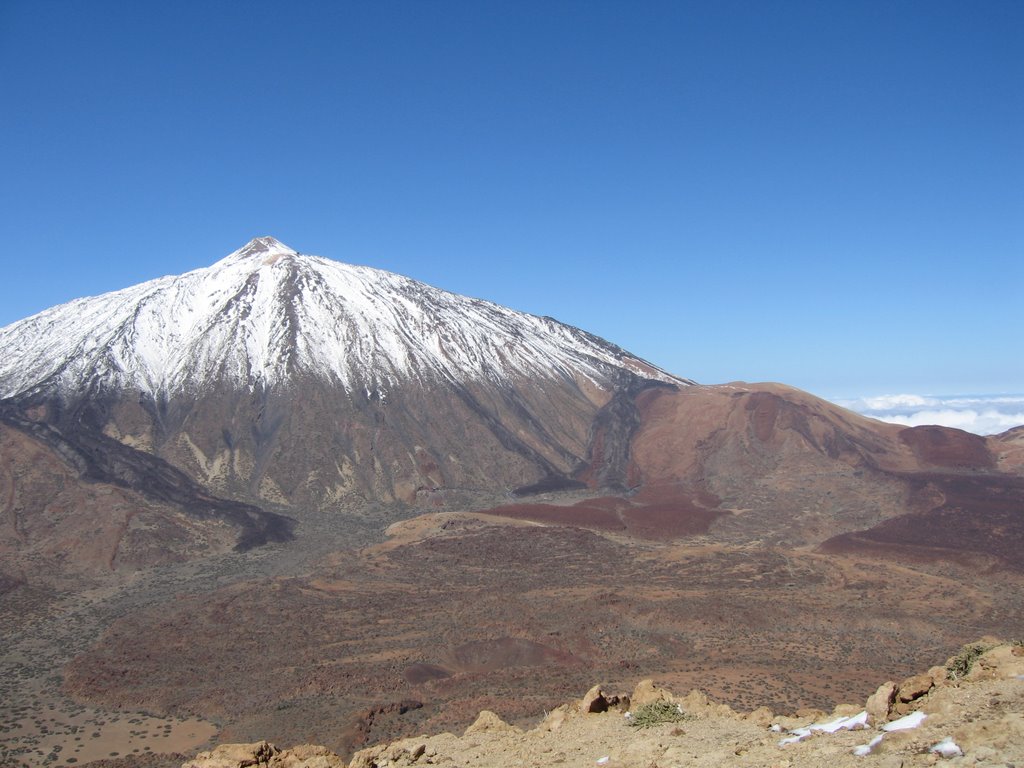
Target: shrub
960,665
656,713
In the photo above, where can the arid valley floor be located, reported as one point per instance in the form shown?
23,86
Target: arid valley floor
453,613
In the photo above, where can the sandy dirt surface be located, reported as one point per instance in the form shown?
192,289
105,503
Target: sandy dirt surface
464,612
60,739
774,550
43,628
973,721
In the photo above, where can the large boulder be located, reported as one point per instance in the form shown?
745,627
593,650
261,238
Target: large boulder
255,755
307,756
879,704
647,692
263,754
595,701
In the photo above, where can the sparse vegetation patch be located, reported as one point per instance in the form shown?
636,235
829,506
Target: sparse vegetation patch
960,665
656,713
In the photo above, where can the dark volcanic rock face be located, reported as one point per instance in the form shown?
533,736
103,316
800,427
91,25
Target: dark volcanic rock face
310,444
98,458
60,525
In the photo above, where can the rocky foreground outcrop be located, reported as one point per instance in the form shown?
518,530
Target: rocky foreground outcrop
968,712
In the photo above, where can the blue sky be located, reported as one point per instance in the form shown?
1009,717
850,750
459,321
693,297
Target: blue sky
825,194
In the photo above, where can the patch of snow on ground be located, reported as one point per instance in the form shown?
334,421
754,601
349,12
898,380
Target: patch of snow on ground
865,749
912,720
855,722
947,748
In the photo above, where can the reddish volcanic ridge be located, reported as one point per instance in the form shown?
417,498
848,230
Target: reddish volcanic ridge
961,518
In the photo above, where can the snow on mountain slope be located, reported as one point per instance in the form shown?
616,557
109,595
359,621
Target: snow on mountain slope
266,314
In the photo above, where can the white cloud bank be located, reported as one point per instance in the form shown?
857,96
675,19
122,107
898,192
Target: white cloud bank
981,414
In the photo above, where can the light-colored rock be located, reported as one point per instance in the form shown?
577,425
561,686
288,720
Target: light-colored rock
761,716
846,710
488,722
724,710
416,752
594,701
984,717
695,702
647,692
999,663
880,703
914,688
403,753
368,758
555,718
257,755
938,675
307,756
809,713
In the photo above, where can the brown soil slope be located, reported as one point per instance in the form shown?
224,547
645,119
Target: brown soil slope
794,469
462,615
57,528
977,720
751,540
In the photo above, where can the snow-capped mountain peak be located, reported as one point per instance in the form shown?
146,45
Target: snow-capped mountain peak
266,249
266,314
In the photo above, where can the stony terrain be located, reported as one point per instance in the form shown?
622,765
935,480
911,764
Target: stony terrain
775,550
286,498
457,612
948,715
